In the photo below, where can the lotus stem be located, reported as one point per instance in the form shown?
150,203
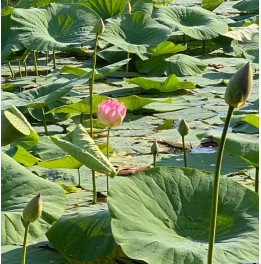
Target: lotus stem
216,186
108,137
46,58
184,41
94,187
184,151
20,71
54,60
257,180
127,65
24,244
204,46
154,160
11,69
91,83
81,118
44,122
25,68
79,178
35,63
7,3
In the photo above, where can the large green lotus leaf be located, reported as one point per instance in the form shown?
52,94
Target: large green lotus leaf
167,47
52,27
210,4
247,5
19,186
178,64
252,119
82,106
162,215
134,102
67,162
39,3
195,22
81,146
135,33
171,84
237,145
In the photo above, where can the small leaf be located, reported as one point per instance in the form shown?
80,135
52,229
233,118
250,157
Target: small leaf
167,47
67,188
252,119
210,4
67,162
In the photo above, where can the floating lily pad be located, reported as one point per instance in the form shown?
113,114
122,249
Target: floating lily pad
192,21
162,215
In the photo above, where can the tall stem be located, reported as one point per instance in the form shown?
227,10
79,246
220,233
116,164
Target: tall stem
94,187
108,137
79,178
11,70
24,244
20,71
54,60
25,68
204,46
46,58
35,63
154,160
81,117
44,122
257,180
91,83
216,186
127,65
184,41
184,151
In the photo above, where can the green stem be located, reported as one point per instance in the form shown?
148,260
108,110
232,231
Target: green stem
127,65
257,180
35,63
81,118
204,46
44,122
184,151
79,178
54,60
20,71
216,186
11,70
25,68
108,137
91,83
94,187
46,57
24,244
184,41
154,160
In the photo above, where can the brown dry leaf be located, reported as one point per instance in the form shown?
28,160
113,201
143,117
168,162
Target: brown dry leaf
216,66
128,170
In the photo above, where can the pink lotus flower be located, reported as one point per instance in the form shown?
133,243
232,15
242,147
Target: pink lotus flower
111,113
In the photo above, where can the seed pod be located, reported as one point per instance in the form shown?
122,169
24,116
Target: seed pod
183,128
99,27
127,7
155,148
33,209
239,86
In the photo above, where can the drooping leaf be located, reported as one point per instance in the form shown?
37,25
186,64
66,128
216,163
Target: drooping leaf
167,47
8,10
81,146
252,119
53,27
134,102
135,33
210,4
19,186
171,84
193,21
162,215
67,162
179,64
237,145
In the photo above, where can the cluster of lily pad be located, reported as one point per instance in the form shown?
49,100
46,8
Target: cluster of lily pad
161,215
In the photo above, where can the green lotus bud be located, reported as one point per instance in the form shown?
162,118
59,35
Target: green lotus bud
183,128
99,27
33,209
155,148
127,7
239,86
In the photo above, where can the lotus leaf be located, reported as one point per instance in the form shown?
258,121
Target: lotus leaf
162,215
247,5
195,22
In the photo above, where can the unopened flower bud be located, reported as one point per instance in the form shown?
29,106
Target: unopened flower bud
239,86
33,209
127,7
183,128
155,148
99,27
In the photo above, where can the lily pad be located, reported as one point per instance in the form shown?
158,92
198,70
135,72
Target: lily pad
193,21
162,215
19,186
135,33
53,27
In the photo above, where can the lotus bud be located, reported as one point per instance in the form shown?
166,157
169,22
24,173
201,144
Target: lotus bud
99,27
155,148
127,7
33,209
239,86
183,128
